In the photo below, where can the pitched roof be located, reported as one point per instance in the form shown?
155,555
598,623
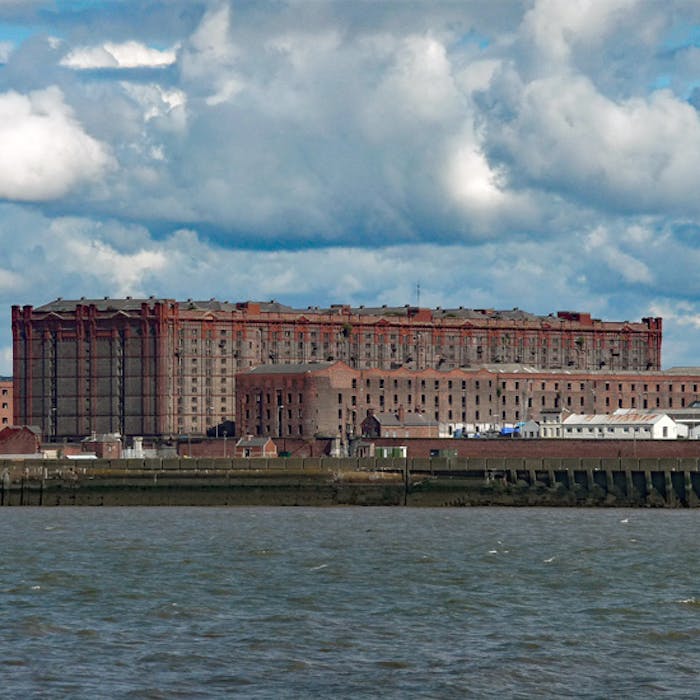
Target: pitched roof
416,419
386,419
622,418
409,420
253,441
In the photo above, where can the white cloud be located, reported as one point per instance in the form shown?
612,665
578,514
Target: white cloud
6,48
208,58
421,80
556,27
681,328
168,105
636,153
471,181
8,280
130,54
631,269
45,152
534,126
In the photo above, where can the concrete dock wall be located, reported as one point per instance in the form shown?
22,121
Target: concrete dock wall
563,481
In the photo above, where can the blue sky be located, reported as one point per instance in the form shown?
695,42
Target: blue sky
541,154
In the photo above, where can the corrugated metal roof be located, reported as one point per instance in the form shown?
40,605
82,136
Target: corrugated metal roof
626,418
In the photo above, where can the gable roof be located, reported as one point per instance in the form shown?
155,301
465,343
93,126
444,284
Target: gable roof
385,419
253,441
409,420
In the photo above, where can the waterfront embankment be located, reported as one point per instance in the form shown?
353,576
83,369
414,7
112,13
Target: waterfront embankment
622,482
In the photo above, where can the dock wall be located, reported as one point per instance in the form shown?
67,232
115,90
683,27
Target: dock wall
514,481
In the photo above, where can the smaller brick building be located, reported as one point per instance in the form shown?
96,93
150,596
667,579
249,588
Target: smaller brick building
399,425
106,446
20,440
250,446
331,399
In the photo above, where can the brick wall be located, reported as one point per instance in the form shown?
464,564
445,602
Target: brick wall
158,366
18,441
515,447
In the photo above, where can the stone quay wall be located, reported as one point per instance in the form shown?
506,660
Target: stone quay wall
475,481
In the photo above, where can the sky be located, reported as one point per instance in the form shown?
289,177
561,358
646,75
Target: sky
539,154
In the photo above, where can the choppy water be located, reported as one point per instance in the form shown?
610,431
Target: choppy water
348,602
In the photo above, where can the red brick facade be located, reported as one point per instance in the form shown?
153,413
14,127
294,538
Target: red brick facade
333,399
19,440
158,367
255,447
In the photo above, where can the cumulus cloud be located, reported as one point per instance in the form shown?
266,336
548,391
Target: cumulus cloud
167,105
130,54
97,258
122,272
208,61
45,151
500,154
629,268
472,181
636,154
559,28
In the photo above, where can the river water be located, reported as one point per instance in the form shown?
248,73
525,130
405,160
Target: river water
348,603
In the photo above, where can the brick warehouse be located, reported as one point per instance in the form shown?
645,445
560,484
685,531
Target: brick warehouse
331,399
159,367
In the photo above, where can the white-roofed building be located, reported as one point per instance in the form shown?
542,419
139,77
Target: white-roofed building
624,424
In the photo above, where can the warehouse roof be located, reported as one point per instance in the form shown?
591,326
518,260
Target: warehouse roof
438,313
301,368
